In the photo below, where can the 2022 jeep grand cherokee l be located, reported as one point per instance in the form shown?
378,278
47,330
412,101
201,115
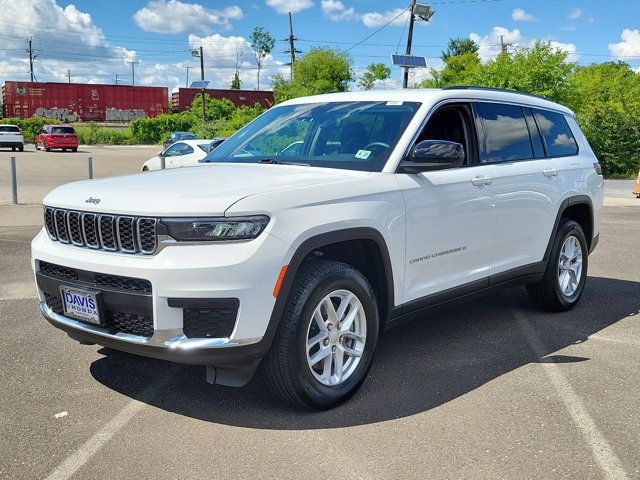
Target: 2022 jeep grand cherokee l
393,202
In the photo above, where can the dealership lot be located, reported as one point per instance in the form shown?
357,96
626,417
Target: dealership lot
490,389
39,172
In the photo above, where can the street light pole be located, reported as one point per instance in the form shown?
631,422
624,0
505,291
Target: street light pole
405,77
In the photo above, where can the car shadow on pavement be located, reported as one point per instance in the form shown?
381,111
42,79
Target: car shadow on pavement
419,365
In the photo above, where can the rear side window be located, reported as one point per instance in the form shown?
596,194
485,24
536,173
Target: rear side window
558,138
9,129
506,136
63,130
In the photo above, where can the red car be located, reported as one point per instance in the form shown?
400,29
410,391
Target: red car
57,136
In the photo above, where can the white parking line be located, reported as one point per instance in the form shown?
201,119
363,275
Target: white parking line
88,449
600,448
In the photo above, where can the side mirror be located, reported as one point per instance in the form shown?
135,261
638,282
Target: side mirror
433,155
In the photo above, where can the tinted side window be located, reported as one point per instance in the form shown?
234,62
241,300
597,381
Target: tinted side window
536,139
557,135
506,136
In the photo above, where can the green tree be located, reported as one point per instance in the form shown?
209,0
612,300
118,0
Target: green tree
320,70
458,47
216,109
236,83
606,100
541,70
262,43
375,71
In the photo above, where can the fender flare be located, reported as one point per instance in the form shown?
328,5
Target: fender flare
319,241
566,203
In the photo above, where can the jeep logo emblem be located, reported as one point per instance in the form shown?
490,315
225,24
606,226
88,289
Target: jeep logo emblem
95,201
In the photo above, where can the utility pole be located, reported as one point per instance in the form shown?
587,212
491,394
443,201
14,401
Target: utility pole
69,74
116,79
503,46
292,47
187,85
133,72
31,57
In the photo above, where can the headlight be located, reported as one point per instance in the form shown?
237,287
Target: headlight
212,229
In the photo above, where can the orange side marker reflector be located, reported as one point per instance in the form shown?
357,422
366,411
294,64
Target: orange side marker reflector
276,289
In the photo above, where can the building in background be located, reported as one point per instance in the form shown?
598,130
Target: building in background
72,102
183,98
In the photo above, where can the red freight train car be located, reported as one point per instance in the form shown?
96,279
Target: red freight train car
70,102
183,98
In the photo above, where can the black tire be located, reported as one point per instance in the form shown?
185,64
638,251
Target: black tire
285,367
145,169
74,149
547,292
21,148
46,148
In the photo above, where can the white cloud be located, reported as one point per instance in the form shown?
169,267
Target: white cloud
336,11
629,47
489,45
519,15
397,16
173,16
637,70
221,54
286,6
574,14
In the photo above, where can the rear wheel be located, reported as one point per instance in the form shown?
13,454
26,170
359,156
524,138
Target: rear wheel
74,149
566,274
327,336
21,148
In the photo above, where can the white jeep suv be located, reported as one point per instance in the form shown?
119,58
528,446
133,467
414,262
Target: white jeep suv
394,202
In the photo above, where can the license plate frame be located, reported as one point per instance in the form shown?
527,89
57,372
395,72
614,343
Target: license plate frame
81,310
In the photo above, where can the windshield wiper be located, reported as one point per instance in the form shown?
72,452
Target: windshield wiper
272,161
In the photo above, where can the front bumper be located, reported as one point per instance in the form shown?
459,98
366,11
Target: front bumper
232,363
179,277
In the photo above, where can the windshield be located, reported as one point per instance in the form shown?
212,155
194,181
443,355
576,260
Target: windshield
346,135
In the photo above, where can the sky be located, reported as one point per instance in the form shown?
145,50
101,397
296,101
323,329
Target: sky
95,40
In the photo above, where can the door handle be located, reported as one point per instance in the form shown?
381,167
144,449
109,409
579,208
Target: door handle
481,180
550,172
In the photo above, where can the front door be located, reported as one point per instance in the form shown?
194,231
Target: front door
450,214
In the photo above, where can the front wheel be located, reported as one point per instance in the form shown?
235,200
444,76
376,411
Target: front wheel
566,274
327,336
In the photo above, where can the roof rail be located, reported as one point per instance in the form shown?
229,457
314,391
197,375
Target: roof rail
490,89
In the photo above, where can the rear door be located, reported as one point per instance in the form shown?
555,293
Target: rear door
526,184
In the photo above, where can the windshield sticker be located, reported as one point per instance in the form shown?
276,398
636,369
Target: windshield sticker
363,154
395,102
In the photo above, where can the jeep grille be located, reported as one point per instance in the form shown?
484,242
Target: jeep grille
102,231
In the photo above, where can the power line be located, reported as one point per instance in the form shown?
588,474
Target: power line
383,26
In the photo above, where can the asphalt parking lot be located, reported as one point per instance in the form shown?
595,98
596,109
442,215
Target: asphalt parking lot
491,389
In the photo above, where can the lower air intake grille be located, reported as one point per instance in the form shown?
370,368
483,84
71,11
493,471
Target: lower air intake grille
130,323
209,322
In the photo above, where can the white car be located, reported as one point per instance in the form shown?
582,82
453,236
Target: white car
182,153
11,136
395,202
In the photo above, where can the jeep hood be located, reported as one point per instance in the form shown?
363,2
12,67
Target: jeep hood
201,190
